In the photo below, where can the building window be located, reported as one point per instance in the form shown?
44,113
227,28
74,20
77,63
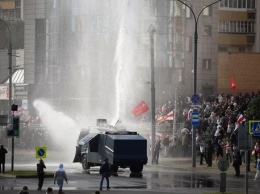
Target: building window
207,30
250,39
236,27
242,49
178,62
238,4
207,11
188,11
206,64
17,4
222,49
181,75
250,4
188,44
177,8
251,16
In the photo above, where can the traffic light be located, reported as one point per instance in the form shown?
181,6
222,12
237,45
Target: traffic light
14,131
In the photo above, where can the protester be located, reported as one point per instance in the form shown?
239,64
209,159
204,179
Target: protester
3,152
237,161
40,173
257,168
228,151
60,176
156,152
209,152
256,152
105,173
24,191
202,152
166,143
219,151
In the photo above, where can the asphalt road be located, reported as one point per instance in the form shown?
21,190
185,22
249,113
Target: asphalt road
174,175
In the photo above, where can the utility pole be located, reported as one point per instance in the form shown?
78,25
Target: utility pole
152,31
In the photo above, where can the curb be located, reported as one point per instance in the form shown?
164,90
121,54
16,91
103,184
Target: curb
25,176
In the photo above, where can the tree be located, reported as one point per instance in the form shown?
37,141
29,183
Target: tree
253,109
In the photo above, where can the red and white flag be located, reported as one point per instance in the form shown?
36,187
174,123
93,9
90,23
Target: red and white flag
168,117
140,109
240,119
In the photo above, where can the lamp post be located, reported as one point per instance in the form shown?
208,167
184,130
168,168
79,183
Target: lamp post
10,67
152,31
196,19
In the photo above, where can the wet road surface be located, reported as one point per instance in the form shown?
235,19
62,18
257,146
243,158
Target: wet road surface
168,177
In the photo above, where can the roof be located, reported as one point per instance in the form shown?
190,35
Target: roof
17,77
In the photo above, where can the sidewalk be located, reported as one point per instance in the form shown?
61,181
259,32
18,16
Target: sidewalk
179,163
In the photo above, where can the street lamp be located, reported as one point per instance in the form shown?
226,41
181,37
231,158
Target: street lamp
196,19
10,86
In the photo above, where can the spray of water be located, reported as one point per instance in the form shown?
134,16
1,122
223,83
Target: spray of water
64,130
125,60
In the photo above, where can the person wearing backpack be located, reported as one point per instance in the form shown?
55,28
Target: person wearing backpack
257,168
105,173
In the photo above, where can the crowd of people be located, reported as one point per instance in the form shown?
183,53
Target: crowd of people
216,135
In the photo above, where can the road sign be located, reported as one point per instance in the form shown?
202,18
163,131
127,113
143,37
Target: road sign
195,98
195,119
254,127
223,165
41,151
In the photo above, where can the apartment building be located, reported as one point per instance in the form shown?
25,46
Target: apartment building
66,41
238,22
239,44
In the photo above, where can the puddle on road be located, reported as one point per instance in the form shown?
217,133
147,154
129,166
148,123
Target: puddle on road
180,181
157,180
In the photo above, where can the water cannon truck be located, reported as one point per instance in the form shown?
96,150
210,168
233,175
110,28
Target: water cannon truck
124,149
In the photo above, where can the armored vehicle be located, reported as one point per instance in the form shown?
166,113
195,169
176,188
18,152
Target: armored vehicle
123,149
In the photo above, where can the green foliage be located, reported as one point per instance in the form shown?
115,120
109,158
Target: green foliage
253,110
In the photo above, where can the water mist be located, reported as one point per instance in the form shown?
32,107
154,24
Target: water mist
64,130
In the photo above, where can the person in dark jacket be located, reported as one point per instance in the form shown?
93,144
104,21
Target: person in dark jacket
3,152
209,152
105,173
237,162
40,173
156,152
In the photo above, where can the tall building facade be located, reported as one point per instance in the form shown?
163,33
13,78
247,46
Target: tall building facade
184,27
238,26
77,51
11,31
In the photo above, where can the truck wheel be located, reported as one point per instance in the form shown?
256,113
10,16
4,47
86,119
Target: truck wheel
85,164
136,168
114,168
